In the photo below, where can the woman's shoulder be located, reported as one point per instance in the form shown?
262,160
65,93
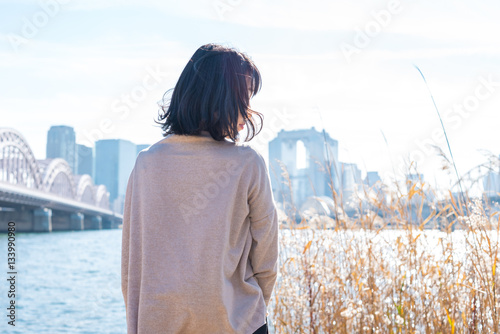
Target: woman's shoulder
240,153
147,155
249,155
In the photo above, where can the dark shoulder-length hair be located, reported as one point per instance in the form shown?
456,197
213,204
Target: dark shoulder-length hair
215,85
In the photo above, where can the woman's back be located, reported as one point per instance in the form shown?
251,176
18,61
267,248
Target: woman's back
200,253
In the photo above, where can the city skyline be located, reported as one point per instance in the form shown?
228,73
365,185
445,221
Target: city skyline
349,178
343,67
305,153
489,180
107,161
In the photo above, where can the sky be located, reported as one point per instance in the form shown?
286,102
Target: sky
341,66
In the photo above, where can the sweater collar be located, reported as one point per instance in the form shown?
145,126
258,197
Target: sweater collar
203,136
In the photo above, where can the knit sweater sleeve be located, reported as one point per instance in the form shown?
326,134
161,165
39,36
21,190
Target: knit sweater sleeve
264,229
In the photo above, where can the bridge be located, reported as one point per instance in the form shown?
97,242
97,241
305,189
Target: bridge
44,195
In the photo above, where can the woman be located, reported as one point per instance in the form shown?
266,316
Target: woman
200,230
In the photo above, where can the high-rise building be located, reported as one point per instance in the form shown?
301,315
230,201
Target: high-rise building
351,178
311,161
115,159
61,144
85,160
371,178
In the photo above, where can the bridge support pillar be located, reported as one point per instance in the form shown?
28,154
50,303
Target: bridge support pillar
42,220
95,223
76,221
106,223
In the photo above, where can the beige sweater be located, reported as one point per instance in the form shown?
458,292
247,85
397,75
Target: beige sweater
200,238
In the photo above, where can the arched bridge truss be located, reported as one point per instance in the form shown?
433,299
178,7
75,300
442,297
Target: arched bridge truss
19,167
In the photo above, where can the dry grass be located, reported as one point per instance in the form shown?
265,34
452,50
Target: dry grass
386,272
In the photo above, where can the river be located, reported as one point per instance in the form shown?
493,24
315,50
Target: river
66,282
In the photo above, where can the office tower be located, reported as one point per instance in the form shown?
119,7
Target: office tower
61,144
85,160
114,161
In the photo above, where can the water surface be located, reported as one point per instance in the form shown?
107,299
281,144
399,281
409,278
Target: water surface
67,282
